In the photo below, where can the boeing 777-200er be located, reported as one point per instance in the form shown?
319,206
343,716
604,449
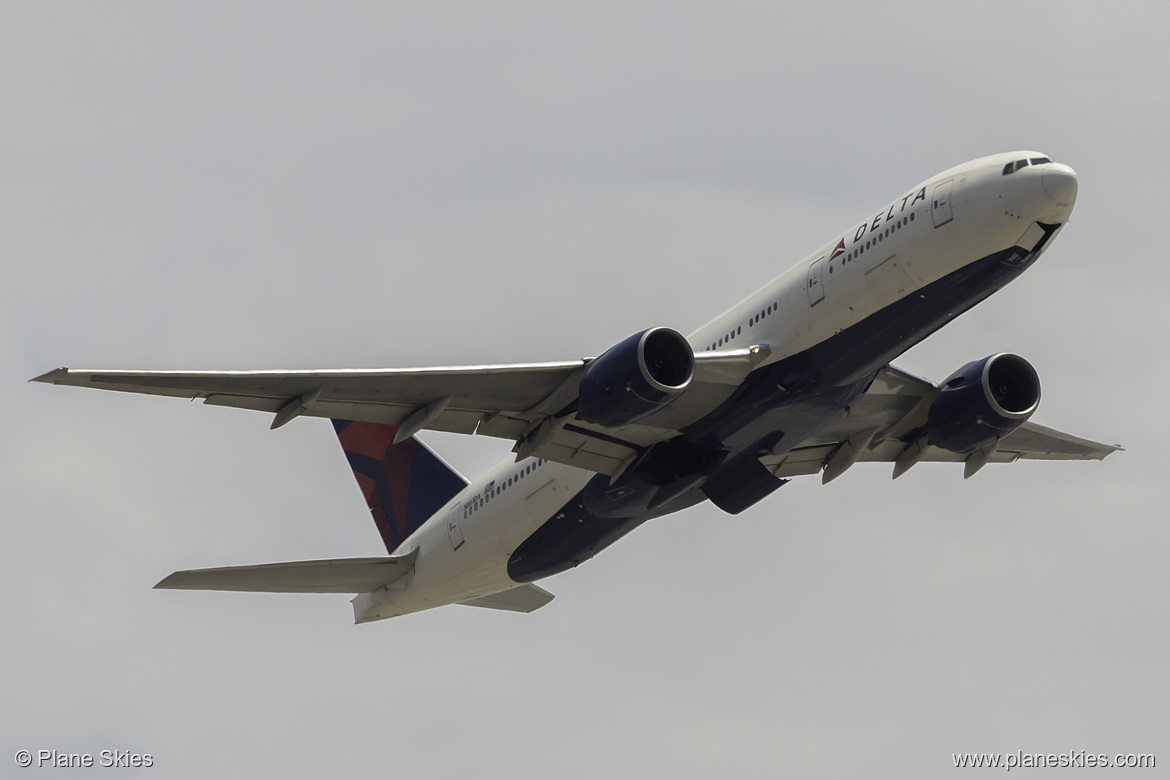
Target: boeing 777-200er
793,380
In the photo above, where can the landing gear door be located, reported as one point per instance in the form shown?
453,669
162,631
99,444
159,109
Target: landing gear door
941,206
454,532
816,292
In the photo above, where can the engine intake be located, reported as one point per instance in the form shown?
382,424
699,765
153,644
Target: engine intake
635,377
983,401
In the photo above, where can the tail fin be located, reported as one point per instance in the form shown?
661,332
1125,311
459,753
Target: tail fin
404,483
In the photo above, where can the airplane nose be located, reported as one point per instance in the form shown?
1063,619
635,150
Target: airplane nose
1060,184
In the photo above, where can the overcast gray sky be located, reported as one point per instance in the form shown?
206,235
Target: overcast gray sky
283,185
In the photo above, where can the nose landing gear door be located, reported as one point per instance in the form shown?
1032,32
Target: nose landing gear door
940,208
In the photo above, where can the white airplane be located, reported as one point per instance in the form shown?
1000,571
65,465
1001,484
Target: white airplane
793,380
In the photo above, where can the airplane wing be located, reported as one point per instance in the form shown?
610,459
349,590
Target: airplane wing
529,403
885,425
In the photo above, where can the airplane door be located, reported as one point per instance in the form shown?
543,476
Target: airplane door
816,292
941,206
454,532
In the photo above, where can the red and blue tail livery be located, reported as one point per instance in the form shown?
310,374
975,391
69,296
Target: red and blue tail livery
404,484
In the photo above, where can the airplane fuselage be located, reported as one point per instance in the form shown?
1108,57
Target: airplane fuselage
830,323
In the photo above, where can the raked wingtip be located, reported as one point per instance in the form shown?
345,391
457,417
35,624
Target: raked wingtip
50,377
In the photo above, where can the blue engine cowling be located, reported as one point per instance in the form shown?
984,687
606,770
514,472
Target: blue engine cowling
983,401
635,377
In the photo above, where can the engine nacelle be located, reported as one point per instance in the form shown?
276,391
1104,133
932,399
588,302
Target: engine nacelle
983,401
635,377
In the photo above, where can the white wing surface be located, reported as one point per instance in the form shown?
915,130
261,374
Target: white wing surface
529,403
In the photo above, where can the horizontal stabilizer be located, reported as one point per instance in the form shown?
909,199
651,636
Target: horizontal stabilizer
340,575
525,598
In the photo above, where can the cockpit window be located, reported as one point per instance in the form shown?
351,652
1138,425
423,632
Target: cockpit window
1012,167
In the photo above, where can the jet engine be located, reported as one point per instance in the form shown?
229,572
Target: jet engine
635,377
982,402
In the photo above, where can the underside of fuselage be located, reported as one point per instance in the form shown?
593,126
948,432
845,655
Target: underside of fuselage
778,406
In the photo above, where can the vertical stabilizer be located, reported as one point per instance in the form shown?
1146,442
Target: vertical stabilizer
404,484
